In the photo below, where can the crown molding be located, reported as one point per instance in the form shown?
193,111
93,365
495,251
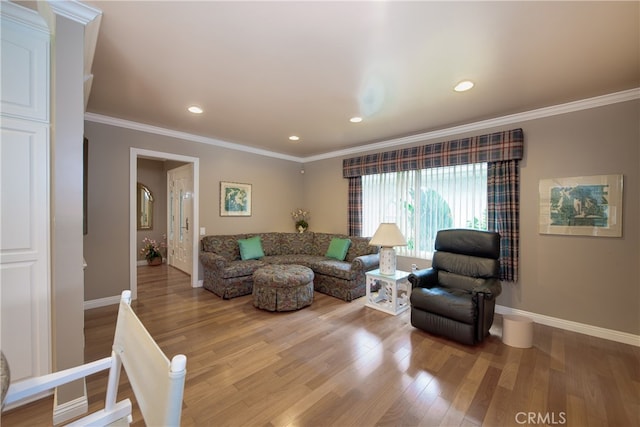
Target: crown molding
585,104
98,118
24,16
76,11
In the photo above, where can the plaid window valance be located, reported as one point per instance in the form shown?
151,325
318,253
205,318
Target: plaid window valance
494,147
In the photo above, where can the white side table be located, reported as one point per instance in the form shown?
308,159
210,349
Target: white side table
388,293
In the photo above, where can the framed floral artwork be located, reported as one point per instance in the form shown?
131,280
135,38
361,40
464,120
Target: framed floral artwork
235,199
583,205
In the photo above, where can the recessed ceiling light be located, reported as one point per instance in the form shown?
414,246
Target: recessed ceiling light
195,109
355,119
463,86
294,138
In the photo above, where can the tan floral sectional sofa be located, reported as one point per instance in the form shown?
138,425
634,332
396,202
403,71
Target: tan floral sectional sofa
227,275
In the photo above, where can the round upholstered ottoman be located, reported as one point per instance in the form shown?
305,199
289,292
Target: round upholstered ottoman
282,287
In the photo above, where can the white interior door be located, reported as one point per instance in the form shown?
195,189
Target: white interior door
25,300
180,200
24,247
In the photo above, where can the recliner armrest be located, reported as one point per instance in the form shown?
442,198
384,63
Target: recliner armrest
491,288
426,278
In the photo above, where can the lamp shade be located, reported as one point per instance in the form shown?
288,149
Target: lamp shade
388,235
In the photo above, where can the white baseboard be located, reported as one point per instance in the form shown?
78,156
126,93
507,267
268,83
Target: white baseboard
102,302
70,409
594,331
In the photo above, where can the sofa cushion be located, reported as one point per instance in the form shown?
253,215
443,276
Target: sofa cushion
332,267
338,248
251,248
271,243
297,243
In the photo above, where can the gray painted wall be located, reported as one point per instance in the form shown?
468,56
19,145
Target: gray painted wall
589,280
277,188
153,175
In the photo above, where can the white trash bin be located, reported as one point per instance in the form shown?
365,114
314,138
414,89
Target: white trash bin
517,331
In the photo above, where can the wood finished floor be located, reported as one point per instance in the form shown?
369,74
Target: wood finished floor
342,364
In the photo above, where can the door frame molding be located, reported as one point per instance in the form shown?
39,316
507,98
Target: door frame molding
136,153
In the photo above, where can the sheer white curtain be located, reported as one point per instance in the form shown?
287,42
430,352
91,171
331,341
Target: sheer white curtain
385,198
425,201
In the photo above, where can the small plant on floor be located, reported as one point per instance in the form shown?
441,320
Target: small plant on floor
151,249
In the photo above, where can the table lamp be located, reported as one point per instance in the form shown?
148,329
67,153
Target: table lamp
387,236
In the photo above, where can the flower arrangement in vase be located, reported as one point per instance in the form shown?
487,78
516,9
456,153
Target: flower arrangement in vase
152,250
300,217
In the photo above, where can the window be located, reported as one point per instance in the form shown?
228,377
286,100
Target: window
405,198
424,201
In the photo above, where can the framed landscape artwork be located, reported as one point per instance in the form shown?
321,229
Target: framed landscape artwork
584,206
235,199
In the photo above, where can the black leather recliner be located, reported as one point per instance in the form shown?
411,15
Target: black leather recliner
456,297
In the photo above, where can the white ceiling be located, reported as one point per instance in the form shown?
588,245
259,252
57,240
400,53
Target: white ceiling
265,70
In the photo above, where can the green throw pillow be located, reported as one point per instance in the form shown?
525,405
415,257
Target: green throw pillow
338,248
251,248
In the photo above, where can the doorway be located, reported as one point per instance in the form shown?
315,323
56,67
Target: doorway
194,164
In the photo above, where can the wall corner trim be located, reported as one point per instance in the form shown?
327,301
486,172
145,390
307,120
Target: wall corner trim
568,325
